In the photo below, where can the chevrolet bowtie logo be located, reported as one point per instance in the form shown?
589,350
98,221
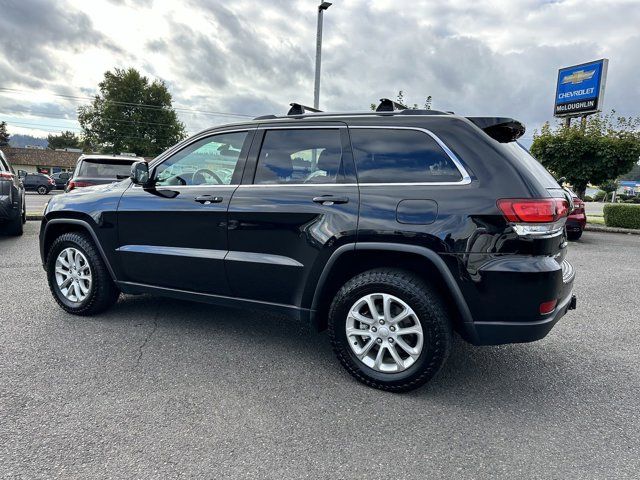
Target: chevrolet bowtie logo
578,77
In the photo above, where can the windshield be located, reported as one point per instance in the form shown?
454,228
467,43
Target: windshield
103,168
531,164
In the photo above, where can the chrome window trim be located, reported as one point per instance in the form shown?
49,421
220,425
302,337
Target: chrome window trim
465,180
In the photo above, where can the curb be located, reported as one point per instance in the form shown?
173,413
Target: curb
601,228
34,216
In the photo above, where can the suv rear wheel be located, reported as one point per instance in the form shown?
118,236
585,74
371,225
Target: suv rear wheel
389,329
42,190
78,277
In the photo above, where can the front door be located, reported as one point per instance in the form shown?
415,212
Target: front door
175,235
287,218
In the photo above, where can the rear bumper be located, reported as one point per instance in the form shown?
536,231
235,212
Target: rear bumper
522,294
497,333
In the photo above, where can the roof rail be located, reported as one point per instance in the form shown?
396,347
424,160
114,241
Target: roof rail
387,105
299,109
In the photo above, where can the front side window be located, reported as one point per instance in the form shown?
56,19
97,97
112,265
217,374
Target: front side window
400,156
209,161
300,156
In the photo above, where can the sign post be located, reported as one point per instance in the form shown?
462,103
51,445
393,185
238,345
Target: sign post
580,89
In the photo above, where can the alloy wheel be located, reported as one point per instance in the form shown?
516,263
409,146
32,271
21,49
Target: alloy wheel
73,274
384,333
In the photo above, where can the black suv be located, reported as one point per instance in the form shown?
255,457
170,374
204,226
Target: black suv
12,204
391,229
38,182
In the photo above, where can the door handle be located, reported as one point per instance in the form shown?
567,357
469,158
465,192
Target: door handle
330,200
207,199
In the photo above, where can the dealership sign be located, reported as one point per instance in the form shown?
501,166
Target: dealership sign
580,89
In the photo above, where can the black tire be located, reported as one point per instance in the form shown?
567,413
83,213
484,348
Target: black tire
427,305
574,235
103,293
42,190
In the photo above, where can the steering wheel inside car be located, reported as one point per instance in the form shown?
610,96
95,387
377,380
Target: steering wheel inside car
199,177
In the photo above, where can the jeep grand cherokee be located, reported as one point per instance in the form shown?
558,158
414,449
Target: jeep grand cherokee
391,229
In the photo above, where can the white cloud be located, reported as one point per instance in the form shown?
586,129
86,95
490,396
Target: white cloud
482,58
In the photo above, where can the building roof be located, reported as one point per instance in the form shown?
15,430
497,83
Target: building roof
37,157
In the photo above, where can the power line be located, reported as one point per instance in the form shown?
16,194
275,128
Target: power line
141,105
32,126
61,117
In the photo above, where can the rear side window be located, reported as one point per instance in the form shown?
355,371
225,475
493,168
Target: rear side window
300,156
531,164
104,168
400,156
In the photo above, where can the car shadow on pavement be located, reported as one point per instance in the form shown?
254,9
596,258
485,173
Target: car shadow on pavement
499,375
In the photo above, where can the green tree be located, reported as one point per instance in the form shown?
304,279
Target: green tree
64,140
4,135
598,150
130,114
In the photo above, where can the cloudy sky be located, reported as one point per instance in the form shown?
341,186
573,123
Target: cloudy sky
241,57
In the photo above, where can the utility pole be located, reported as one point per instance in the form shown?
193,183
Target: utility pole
316,88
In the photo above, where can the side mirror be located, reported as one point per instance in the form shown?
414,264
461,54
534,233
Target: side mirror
140,173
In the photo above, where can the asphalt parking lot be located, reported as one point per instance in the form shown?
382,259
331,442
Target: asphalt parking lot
36,202
159,388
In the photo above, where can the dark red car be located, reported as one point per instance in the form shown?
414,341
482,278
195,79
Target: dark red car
577,219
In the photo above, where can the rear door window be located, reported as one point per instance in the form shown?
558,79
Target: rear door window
300,156
400,156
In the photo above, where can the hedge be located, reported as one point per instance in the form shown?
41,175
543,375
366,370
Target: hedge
622,215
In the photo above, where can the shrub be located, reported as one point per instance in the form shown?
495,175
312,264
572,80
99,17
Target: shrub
622,215
587,198
599,196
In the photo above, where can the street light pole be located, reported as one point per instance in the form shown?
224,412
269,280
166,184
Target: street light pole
316,88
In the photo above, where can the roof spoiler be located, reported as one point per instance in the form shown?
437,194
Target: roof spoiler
502,129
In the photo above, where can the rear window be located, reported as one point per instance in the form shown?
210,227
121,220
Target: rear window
531,164
400,156
100,168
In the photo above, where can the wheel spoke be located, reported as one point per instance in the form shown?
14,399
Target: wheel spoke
361,318
76,290
372,307
396,357
358,332
362,352
401,316
379,357
409,331
386,307
62,271
83,288
410,350
67,281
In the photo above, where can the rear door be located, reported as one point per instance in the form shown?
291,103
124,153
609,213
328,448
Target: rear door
296,205
175,235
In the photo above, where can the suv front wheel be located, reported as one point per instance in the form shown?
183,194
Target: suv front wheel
78,277
389,329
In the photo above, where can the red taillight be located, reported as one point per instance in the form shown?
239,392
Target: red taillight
6,175
52,181
548,307
527,210
73,184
